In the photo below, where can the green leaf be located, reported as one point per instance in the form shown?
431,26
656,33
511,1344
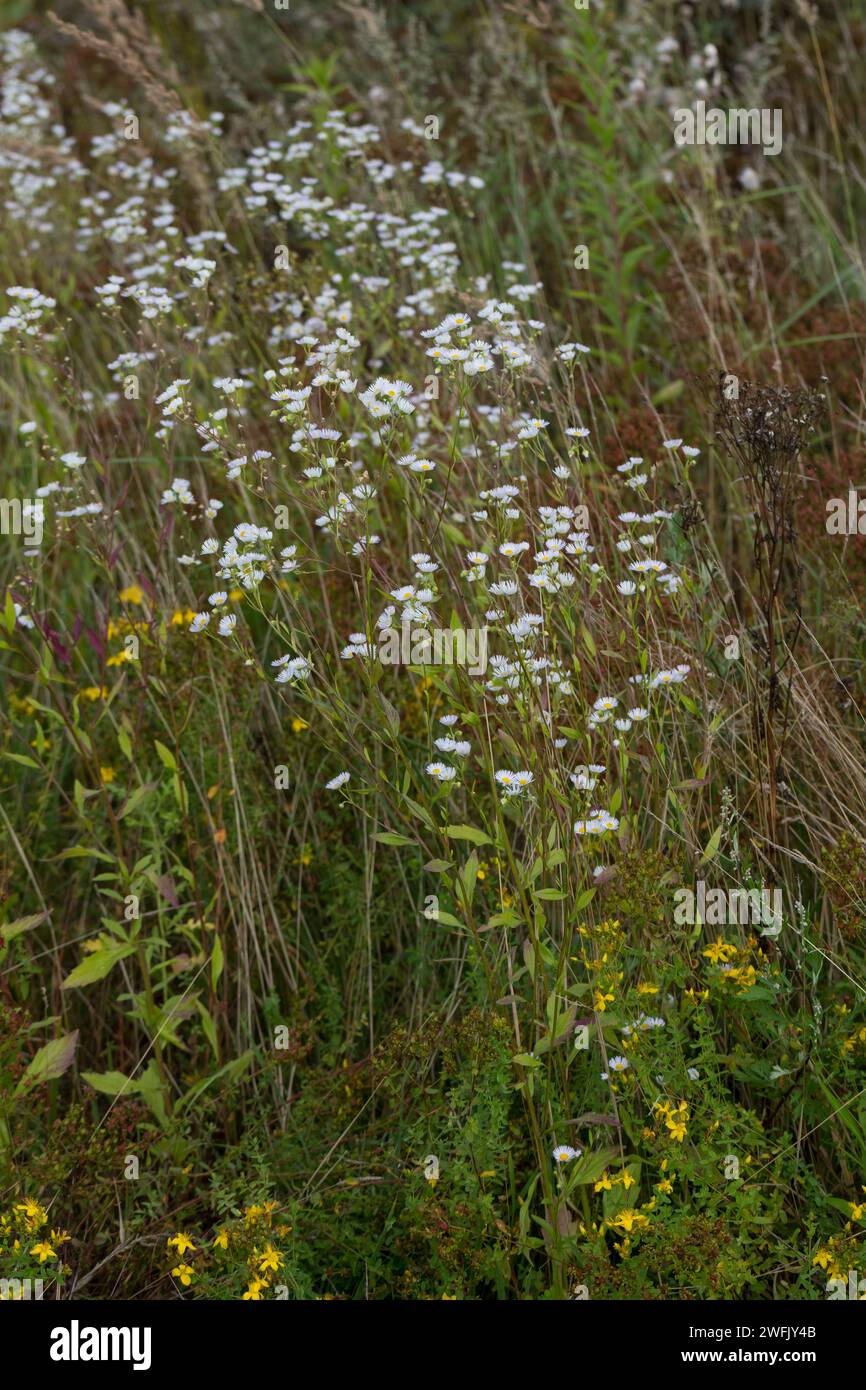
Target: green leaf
217,962
469,878
420,813
446,919
50,1061
22,924
151,1090
166,757
209,1027
82,852
109,1083
590,1167
508,918
134,799
390,837
669,392
21,758
712,845
468,832
96,966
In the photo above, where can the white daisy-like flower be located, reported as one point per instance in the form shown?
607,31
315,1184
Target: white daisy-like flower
441,771
336,782
292,668
647,566
564,1153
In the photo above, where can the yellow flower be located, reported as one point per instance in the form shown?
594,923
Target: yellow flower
630,1220
665,1185
107,774
132,594
601,1001
184,1273
221,1239
25,706
254,1292
34,1214
604,1183
44,1251
95,692
271,1259
719,951
181,1241
298,725
119,657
